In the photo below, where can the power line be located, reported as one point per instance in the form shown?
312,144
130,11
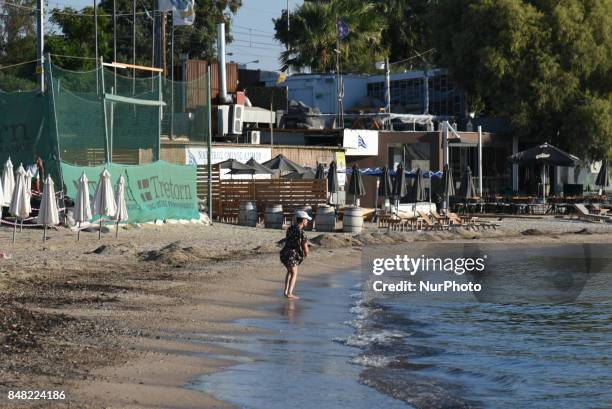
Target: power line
18,64
253,29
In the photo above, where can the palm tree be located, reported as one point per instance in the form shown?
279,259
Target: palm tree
312,37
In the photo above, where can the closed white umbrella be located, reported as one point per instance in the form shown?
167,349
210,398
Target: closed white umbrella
8,183
20,201
104,201
82,206
48,214
122,212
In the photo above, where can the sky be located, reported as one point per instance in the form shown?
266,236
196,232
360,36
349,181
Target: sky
253,31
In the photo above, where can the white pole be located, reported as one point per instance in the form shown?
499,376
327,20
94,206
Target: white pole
445,157
40,43
515,173
480,160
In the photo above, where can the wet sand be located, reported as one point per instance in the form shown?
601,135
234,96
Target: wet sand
120,323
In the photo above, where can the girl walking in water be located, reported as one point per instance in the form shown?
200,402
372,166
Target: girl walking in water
294,252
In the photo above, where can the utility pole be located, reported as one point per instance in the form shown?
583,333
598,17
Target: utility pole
40,44
388,92
134,46
95,7
115,42
163,41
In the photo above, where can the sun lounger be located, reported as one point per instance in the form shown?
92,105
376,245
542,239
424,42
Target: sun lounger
430,224
444,220
583,214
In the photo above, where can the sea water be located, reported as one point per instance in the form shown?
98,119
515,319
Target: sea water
338,348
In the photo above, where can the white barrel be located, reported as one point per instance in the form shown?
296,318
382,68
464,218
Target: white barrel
247,216
325,219
352,222
273,218
308,210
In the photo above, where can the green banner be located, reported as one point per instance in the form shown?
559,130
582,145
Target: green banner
155,191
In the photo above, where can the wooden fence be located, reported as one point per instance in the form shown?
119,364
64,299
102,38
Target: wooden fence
291,194
228,193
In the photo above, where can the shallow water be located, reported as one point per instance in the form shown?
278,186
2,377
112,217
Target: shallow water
296,364
338,347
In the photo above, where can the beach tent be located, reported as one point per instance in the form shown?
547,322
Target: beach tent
20,202
48,214
356,187
122,212
544,155
82,206
280,162
104,201
603,177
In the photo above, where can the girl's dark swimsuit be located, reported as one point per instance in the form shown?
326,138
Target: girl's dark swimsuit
293,254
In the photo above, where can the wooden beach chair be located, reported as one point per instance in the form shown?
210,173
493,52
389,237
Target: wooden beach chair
444,220
428,223
598,210
583,214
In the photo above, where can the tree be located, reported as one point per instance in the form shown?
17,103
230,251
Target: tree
407,30
544,64
312,39
17,44
76,38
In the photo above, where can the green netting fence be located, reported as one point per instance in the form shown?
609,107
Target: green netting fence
101,116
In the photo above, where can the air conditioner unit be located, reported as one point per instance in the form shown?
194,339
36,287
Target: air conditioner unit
236,116
255,137
223,112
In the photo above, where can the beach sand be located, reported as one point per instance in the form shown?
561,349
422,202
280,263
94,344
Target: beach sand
127,322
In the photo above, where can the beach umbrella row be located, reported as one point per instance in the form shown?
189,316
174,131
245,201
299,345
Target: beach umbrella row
106,202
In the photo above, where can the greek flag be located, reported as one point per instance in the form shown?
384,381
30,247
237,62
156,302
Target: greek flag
361,143
342,29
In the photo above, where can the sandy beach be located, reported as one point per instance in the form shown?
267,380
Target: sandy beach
120,323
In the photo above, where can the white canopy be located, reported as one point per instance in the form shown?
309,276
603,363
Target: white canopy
82,205
122,213
104,202
8,183
20,201
48,213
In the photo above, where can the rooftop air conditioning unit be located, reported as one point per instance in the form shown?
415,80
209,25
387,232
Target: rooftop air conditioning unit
255,137
236,116
222,119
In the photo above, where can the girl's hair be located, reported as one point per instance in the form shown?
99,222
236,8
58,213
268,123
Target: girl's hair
299,220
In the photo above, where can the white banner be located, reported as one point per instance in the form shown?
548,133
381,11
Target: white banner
360,142
198,156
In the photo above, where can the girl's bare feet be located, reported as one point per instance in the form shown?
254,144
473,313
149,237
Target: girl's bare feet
293,297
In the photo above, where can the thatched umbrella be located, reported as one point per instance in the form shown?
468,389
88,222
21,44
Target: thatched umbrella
356,187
